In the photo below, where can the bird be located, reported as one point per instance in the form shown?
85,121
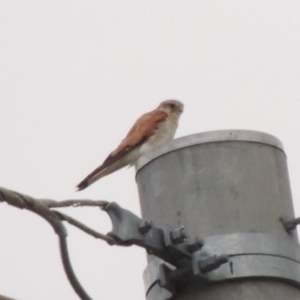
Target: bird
151,130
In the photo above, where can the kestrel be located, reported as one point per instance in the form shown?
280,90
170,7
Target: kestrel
151,130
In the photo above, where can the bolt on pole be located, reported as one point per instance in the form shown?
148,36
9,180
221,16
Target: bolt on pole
230,188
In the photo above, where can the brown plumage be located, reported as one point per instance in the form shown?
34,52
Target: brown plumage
150,130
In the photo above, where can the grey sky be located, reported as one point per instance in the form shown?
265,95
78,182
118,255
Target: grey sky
75,75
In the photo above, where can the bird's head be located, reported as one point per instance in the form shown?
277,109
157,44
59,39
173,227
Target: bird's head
172,107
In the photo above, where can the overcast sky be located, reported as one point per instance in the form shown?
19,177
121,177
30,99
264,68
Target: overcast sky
75,75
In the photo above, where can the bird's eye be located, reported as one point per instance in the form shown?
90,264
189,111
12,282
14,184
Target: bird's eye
172,105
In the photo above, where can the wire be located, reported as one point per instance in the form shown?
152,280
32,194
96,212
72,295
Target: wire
42,207
5,298
74,203
85,228
69,269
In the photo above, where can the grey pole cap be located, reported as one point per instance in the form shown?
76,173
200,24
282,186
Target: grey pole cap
210,137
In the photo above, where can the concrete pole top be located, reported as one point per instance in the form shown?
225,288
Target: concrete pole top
210,137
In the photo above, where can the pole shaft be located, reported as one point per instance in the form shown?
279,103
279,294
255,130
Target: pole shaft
220,183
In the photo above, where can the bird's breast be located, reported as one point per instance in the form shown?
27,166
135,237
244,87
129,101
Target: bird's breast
163,134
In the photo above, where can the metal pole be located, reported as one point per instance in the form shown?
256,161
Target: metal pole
231,188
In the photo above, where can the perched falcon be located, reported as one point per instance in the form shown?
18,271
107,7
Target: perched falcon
151,130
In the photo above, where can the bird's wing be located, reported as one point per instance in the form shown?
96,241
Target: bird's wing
143,128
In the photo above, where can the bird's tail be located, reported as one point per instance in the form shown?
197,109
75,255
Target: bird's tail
90,180
82,185
99,173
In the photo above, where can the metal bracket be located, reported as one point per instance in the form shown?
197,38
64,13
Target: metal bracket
252,255
171,245
289,224
169,278
167,244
